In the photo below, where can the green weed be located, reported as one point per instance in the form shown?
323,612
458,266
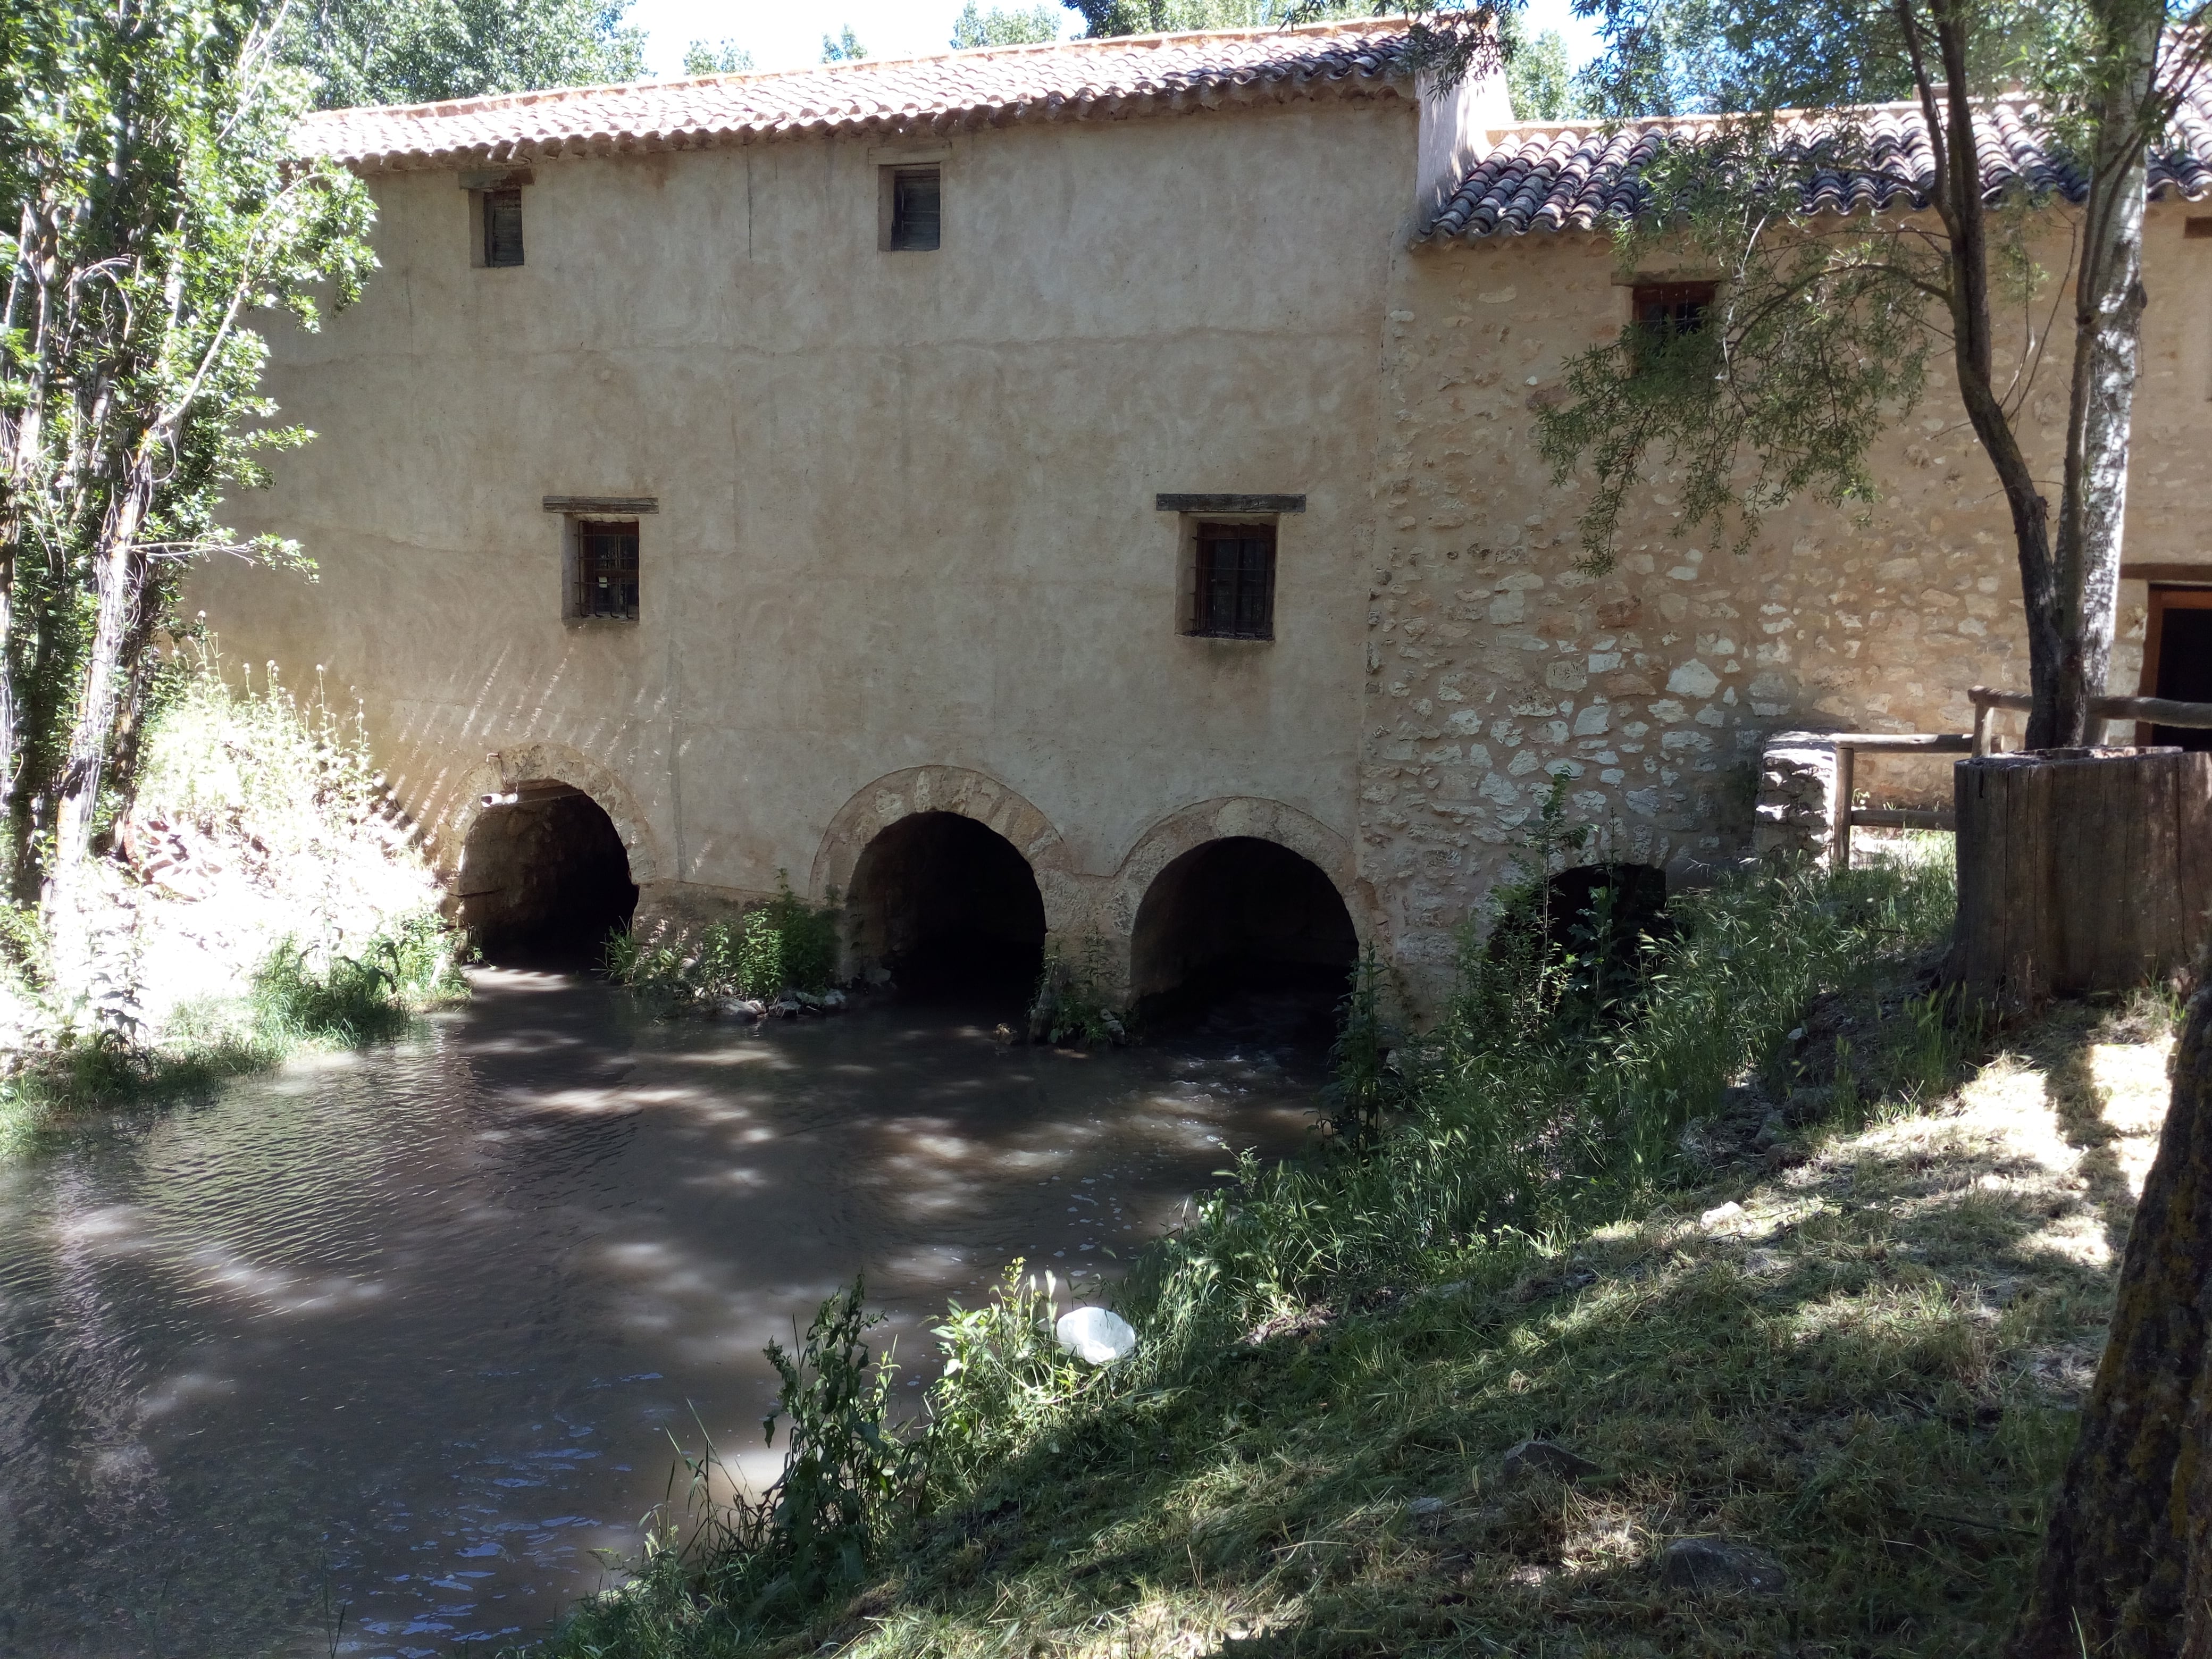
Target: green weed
303,995
1074,1001
783,944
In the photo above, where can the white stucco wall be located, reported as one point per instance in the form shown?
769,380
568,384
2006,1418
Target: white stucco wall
906,500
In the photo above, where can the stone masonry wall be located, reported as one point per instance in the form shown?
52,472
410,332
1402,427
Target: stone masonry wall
1494,664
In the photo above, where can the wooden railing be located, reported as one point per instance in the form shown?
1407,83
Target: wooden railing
2147,712
2144,711
1845,817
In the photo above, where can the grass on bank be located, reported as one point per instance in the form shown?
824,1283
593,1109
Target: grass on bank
261,895
1779,1247
783,945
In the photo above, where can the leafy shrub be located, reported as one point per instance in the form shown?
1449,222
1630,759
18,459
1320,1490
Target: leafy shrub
754,1565
1362,1083
301,994
1073,1003
783,945
1005,1371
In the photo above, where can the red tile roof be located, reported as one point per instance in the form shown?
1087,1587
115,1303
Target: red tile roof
1582,175
991,86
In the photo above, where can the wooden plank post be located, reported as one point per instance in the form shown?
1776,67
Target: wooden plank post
1839,831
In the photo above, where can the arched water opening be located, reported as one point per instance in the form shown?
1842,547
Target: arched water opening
947,904
544,877
1237,915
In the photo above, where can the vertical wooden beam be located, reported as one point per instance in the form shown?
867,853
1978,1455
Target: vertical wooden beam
1839,824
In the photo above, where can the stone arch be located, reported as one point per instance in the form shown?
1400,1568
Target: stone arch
1222,820
1242,879
970,794
554,762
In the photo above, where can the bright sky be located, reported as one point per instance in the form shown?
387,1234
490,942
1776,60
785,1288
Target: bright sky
787,33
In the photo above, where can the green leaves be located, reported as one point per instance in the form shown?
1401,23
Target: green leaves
1818,335
414,52
157,208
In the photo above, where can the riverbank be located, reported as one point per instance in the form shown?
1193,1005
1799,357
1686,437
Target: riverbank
1803,1384
259,894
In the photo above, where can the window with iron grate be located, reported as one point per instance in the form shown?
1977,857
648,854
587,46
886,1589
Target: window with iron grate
1668,309
502,226
1233,582
915,197
606,570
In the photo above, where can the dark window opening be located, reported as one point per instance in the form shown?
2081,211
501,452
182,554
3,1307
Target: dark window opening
544,877
1242,918
2178,658
1665,311
1233,582
915,218
502,226
949,906
606,570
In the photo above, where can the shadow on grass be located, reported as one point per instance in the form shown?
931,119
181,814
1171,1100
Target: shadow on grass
1852,1374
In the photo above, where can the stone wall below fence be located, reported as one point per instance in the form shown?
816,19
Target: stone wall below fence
1796,807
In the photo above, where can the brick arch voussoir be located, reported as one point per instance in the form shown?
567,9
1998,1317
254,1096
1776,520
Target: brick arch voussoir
1220,819
502,772
876,806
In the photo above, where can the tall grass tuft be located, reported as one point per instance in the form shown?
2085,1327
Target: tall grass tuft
783,944
301,995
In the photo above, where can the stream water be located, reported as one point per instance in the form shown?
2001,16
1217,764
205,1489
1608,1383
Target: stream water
374,1354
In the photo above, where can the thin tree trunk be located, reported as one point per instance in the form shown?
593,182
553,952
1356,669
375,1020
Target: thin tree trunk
1944,86
2126,1543
2108,307
119,577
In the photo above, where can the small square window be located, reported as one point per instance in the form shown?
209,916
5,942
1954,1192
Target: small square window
1233,582
914,197
502,226
606,570
1666,310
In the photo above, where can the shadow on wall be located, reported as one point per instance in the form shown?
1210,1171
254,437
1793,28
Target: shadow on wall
1240,915
948,904
544,878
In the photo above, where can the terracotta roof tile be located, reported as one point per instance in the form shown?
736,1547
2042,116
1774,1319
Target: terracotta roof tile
989,86
1582,175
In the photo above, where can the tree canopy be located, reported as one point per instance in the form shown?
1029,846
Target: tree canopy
724,57
155,207
416,51
997,28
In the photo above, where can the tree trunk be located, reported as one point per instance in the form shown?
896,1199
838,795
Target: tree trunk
2080,870
2108,307
2125,1569
119,578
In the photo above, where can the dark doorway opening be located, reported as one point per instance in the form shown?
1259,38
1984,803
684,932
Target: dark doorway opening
1242,916
2178,658
949,906
544,878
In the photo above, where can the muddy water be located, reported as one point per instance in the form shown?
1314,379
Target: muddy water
370,1356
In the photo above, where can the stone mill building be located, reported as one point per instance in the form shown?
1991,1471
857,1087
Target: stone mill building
1087,491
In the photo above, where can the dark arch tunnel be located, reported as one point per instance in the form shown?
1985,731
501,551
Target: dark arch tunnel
544,877
1240,913
948,904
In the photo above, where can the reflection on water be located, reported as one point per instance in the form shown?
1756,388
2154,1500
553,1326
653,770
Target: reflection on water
388,1345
